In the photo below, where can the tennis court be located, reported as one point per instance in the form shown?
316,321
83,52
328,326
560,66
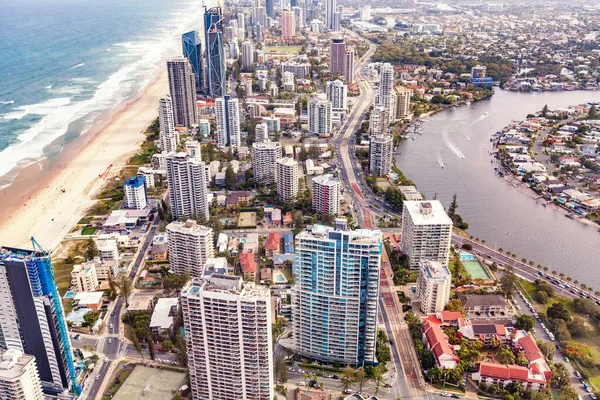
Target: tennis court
476,270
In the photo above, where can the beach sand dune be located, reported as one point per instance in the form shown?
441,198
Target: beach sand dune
50,214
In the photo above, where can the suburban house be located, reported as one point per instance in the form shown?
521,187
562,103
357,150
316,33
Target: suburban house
484,303
273,245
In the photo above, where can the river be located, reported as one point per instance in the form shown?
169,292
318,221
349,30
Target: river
505,216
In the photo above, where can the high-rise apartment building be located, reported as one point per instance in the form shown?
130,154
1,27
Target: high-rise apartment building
286,174
380,154
379,120
215,58
261,132
190,245
182,87
349,66
433,286
298,17
19,377
319,116
228,337
168,135
32,318
288,24
186,178
330,9
270,9
426,232
337,20
403,96
247,56
228,122
326,194
337,56
192,50
386,95
135,193
264,159
335,299
337,94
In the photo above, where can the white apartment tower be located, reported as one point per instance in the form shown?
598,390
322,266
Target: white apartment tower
349,66
264,159
182,87
286,174
186,178
19,377
247,56
426,232
433,286
326,194
319,116
403,96
380,154
386,95
189,245
135,193
228,122
330,9
337,94
335,299
168,137
379,120
261,133
228,338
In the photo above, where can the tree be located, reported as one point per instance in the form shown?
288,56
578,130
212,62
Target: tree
378,378
151,348
452,208
346,378
593,113
577,327
229,178
125,287
508,280
91,250
568,393
456,305
175,282
91,317
560,377
541,297
505,356
586,306
548,349
525,322
543,286
181,349
137,345
558,311
545,110
360,378
168,345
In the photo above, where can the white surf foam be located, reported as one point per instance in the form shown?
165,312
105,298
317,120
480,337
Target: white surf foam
77,66
42,108
6,102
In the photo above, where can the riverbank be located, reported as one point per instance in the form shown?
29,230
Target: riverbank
47,203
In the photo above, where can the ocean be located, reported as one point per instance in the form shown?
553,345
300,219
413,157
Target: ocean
65,64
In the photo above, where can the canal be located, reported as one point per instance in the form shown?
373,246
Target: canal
504,216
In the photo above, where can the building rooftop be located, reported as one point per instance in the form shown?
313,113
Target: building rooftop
216,265
434,270
13,364
135,181
430,212
189,227
225,284
474,300
326,180
84,298
164,312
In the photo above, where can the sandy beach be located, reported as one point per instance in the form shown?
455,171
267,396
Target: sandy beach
41,209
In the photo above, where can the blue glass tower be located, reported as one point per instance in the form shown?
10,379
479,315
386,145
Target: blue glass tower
269,7
35,309
215,57
192,50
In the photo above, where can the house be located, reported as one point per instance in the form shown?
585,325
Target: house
164,312
436,340
241,198
266,275
217,265
501,375
158,252
249,267
288,218
484,303
288,243
273,245
91,300
486,333
120,220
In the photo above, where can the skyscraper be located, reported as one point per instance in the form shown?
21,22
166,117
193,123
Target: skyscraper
264,157
337,56
349,66
386,96
330,9
186,178
334,301
433,286
168,136
298,17
215,58
228,122
247,56
326,194
403,96
190,245
261,133
269,7
337,94
32,309
182,88
379,120
288,24
192,50
135,193
426,232
319,116
380,154
19,377
286,174
228,337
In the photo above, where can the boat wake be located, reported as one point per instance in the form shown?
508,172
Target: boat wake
451,146
77,66
439,159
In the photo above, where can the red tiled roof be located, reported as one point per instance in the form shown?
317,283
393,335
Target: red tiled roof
247,262
513,372
273,241
532,351
437,339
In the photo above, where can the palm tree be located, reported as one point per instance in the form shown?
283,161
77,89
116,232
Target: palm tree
500,250
539,266
583,286
306,377
545,269
378,378
346,378
569,279
597,293
359,377
576,282
553,272
125,287
561,275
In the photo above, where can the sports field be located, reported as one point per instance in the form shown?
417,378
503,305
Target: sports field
150,384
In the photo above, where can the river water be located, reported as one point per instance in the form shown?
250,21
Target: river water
505,216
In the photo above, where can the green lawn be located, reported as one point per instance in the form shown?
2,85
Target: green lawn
89,230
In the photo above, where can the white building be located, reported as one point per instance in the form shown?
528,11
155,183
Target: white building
228,122
261,133
365,13
84,278
337,94
108,248
247,56
264,158
433,286
186,179
379,120
326,194
273,123
182,87
135,193
426,232
204,127
380,154
319,116
168,136
287,82
165,310
330,9
335,299
287,179
298,17
19,377
190,245
148,175
228,337
193,149
386,95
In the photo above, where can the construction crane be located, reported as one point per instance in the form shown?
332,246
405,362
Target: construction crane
105,173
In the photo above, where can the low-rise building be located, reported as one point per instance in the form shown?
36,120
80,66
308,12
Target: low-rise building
249,266
84,278
163,314
484,303
273,245
92,300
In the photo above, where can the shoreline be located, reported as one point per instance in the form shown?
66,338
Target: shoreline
41,209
